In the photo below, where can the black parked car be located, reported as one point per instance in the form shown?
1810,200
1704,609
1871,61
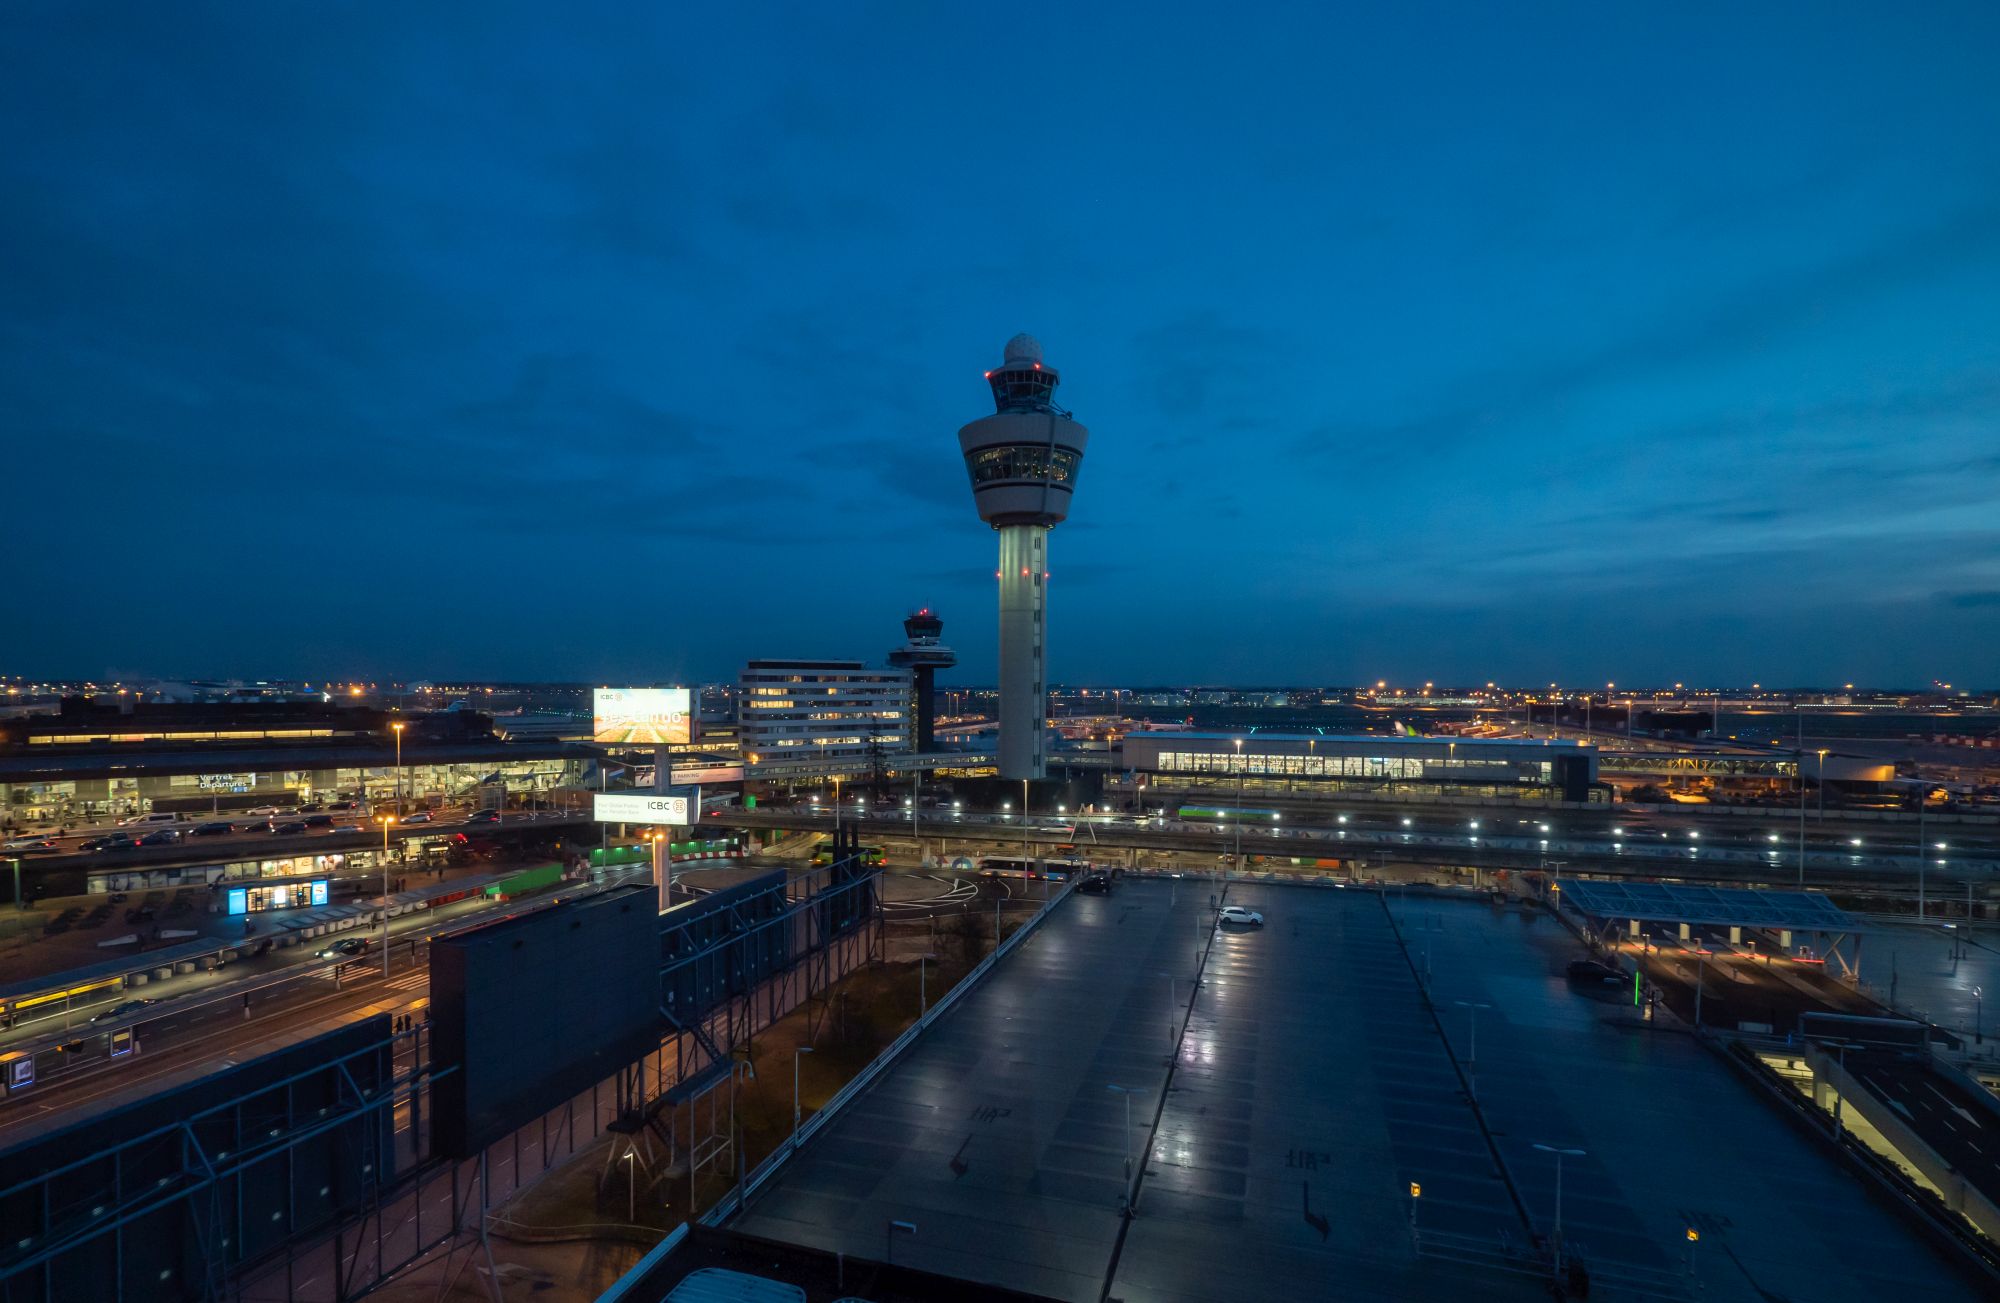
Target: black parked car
1096,883
483,816
215,829
164,837
1590,972
287,829
319,821
117,841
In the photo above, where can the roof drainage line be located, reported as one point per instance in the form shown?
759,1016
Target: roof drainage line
1153,1129
1478,1114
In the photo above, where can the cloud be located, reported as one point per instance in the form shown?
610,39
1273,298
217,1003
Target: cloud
1737,321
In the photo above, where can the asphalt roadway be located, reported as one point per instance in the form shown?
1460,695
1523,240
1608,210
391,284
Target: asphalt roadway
1693,850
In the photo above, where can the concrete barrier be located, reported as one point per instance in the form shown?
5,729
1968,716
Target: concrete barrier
184,966
136,979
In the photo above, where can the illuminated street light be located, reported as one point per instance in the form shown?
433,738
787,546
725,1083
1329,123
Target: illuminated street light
385,821
398,728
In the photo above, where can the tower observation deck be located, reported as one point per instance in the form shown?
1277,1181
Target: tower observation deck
1023,462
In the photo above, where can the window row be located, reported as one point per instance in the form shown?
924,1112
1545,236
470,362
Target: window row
1317,766
1024,462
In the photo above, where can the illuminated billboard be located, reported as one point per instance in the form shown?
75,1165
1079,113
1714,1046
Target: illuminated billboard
643,716
641,807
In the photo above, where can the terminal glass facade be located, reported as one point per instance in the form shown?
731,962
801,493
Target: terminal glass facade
228,793
1437,769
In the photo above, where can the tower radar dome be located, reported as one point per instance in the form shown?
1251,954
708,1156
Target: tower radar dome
1023,348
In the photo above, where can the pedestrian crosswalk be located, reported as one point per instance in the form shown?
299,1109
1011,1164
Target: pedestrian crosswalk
417,979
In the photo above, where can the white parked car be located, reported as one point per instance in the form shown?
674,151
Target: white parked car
1238,914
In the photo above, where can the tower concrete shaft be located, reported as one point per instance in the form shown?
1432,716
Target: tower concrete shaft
1024,554
1023,462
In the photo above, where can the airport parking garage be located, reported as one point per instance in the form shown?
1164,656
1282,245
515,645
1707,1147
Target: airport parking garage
1353,1050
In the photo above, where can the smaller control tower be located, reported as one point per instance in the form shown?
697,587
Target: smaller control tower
923,655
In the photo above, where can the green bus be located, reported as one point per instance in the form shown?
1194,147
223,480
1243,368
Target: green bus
872,856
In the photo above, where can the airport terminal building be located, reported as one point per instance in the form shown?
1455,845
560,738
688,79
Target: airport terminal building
1303,765
90,764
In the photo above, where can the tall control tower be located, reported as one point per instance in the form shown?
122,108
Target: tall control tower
1023,460
924,655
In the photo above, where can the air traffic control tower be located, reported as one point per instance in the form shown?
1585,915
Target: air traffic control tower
1023,460
924,655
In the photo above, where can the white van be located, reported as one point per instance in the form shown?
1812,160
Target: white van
151,820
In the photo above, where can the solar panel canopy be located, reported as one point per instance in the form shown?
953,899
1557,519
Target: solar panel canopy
1669,902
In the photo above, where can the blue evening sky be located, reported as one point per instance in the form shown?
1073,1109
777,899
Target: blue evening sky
624,342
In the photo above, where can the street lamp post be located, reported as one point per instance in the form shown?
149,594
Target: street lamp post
1700,981
662,866
1239,805
1556,1232
398,729
1923,852
803,1049
385,821
1472,1008
1128,1092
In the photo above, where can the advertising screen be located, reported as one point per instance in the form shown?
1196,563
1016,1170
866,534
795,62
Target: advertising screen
641,807
643,716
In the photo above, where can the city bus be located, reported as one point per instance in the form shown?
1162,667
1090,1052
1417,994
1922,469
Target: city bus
1013,866
1212,812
